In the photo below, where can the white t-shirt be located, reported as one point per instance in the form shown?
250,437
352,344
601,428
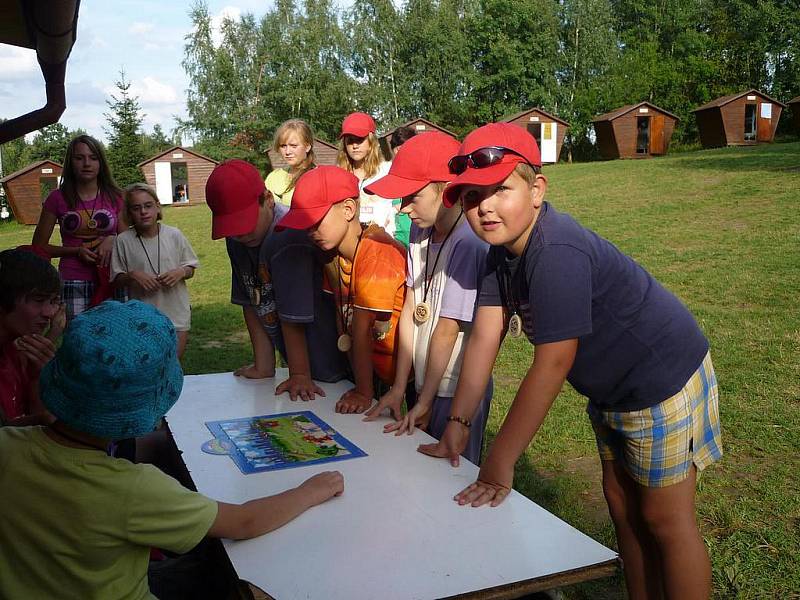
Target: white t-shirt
375,209
132,253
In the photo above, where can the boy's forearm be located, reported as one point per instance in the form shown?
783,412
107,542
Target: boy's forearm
405,343
260,516
479,356
263,350
440,350
533,400
361,354
294,336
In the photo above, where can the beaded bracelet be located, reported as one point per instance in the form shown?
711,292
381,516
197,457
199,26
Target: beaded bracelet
464,421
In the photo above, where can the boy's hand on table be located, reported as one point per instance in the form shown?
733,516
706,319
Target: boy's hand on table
37,350
323,486
391,400
453,442
251,372
493,485
418,416
353,401
300,386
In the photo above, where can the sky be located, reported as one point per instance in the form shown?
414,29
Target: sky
145,37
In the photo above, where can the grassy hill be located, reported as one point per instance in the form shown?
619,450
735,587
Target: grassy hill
719,228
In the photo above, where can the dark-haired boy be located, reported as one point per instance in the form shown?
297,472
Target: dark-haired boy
276,277
31,317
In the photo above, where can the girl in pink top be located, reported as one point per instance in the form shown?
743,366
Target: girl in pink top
88,209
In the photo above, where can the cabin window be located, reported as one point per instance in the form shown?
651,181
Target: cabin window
642,135
750,122
180,181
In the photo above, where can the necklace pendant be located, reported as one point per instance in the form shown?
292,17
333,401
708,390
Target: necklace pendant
515,326
344,343
92,223
422,312
255,295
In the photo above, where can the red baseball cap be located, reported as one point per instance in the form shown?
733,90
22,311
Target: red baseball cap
314,194
358,124
419,161
501,135
232,193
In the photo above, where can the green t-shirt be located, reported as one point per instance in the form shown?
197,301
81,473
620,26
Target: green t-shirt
77,523
276,182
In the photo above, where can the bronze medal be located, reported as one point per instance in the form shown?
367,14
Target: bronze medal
91,223
255,295
344,343
515,326
422,312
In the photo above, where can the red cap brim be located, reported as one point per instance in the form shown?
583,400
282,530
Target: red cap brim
232,224
393,186
302,218
486,176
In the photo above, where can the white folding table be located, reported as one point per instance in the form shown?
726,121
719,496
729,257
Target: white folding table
396,532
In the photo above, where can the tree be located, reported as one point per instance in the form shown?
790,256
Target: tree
125,149
50,143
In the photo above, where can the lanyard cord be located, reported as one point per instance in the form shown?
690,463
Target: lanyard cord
426,284
508,282
343,310
90,217
158,242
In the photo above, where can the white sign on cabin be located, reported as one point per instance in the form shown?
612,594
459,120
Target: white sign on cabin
534,119
163,181
420,127
549,144
644,110
177,155
46,171
751,97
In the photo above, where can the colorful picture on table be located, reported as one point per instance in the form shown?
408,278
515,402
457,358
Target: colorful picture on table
280,441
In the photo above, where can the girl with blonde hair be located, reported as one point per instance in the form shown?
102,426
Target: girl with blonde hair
154,260
360,153
294,142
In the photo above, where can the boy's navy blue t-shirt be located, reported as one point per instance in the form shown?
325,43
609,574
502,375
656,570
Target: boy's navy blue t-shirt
637,343
282,280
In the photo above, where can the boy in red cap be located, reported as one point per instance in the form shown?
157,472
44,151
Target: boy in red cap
445,263
367,278
599,320
277,280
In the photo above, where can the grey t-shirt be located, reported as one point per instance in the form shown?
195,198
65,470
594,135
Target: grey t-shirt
282,280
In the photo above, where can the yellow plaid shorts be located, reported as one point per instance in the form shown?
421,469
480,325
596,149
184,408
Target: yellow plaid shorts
658,445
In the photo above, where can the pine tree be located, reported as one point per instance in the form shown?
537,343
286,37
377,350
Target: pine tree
125,148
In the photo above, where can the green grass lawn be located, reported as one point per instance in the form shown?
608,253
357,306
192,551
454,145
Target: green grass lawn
719,228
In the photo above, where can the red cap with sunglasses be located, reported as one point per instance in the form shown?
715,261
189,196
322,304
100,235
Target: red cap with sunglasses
488,155
358,124
422,159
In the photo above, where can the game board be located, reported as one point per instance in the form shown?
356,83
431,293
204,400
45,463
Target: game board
280,441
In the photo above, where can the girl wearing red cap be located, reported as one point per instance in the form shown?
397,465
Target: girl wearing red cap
597,319
360,153
294,141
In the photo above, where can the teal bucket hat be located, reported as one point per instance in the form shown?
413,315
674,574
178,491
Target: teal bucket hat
116,373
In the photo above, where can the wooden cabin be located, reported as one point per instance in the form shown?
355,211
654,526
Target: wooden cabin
28,188
179,175
794,104
548,130
634,131
419,125
741,119
324,154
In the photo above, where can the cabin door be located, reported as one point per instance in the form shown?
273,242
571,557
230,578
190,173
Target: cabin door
163,181
657,145
642,135
749,122
764,122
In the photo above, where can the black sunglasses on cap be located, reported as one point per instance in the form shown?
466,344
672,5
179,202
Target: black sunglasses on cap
480,159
